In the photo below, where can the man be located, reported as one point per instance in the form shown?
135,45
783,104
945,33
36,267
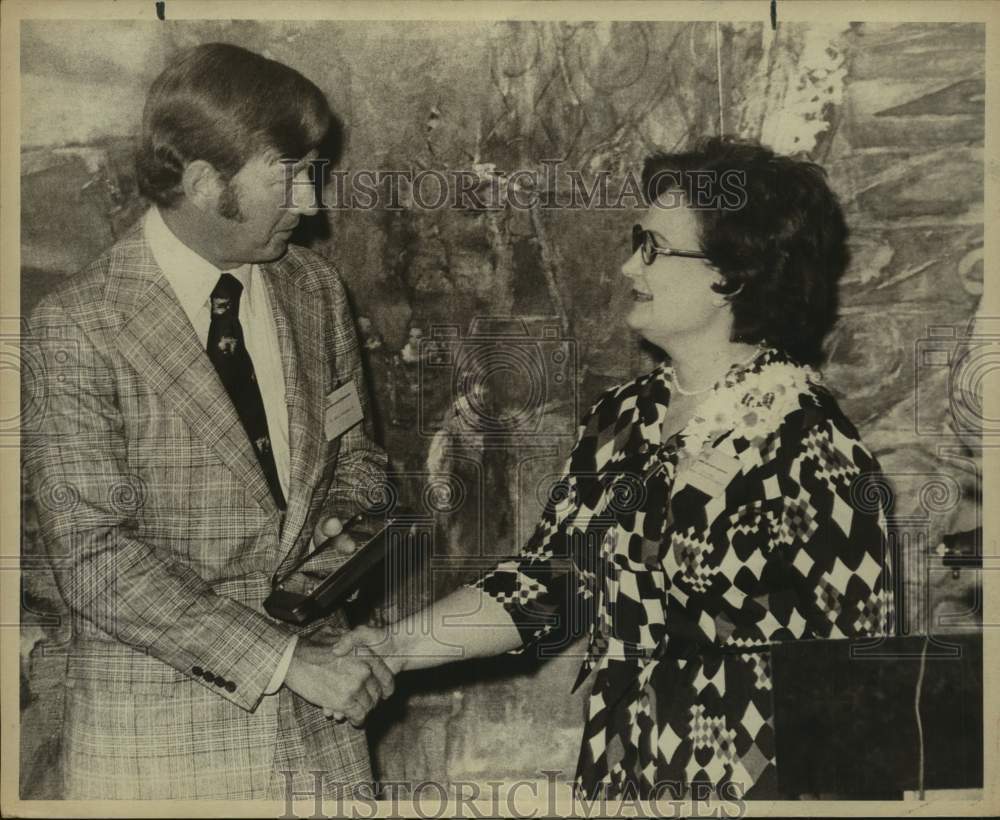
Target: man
186,378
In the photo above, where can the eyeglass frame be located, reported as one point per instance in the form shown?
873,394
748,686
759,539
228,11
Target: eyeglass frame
642,239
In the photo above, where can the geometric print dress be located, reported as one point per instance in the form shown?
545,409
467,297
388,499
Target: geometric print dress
762,520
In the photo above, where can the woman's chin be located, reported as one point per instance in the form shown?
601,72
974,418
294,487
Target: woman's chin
644,330
637,319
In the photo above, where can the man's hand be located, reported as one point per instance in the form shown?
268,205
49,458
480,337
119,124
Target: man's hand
333,527
342,684
306,579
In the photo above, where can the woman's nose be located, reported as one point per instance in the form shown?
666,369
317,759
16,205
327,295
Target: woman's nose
633,265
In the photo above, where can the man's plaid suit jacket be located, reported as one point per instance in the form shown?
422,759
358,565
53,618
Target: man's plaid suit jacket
163,535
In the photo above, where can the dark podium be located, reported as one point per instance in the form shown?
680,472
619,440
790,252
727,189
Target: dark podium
845,722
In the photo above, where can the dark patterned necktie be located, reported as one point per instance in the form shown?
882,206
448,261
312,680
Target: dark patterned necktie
228,352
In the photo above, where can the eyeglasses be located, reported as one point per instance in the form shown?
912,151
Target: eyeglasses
643,239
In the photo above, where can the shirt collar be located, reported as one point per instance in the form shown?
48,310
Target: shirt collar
192,277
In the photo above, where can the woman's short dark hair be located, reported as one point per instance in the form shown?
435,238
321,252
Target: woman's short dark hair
223,104
772,227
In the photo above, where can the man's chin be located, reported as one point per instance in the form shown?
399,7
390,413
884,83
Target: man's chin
274,249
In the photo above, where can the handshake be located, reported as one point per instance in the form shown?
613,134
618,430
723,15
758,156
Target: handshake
338,670
347,673
344,672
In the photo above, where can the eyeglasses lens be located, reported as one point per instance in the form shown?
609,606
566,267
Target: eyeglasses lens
643,239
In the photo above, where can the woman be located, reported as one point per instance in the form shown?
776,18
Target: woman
709,508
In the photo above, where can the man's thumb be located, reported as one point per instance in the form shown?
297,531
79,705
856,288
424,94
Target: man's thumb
327,528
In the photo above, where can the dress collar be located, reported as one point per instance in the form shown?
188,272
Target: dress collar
749,401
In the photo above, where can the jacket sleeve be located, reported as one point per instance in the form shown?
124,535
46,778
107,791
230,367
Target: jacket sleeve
359,479
75,455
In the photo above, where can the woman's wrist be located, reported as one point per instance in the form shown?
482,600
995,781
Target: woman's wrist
390,651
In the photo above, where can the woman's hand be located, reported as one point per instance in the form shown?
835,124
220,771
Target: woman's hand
465,624
376,640
373,646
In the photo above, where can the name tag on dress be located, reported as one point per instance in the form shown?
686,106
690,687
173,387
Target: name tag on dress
343,411
711,472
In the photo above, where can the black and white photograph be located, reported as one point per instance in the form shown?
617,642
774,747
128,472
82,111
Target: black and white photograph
541,409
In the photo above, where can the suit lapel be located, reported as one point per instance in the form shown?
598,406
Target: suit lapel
158,341
299,322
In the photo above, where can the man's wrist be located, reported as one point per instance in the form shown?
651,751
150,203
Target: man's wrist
284,667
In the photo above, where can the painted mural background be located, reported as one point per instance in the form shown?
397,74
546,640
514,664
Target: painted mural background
894,112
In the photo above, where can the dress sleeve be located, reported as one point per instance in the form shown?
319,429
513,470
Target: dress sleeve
826,504
549,587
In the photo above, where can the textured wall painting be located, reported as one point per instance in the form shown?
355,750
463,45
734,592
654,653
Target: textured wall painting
514,314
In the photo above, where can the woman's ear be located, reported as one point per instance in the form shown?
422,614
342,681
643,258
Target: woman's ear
202,184
724,297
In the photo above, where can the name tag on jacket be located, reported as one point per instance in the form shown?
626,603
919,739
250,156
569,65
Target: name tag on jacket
711,472
343,411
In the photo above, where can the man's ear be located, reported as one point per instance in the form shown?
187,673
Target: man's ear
202,184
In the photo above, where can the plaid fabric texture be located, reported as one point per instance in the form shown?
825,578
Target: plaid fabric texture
162,532
682,587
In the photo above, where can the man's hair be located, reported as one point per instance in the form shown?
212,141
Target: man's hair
223,104
774,230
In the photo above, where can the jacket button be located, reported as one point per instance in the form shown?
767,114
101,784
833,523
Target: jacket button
209,677
220,682
198,671
230,686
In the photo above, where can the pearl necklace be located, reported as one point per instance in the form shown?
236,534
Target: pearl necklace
680,388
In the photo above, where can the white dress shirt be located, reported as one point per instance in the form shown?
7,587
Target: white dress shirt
193,278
